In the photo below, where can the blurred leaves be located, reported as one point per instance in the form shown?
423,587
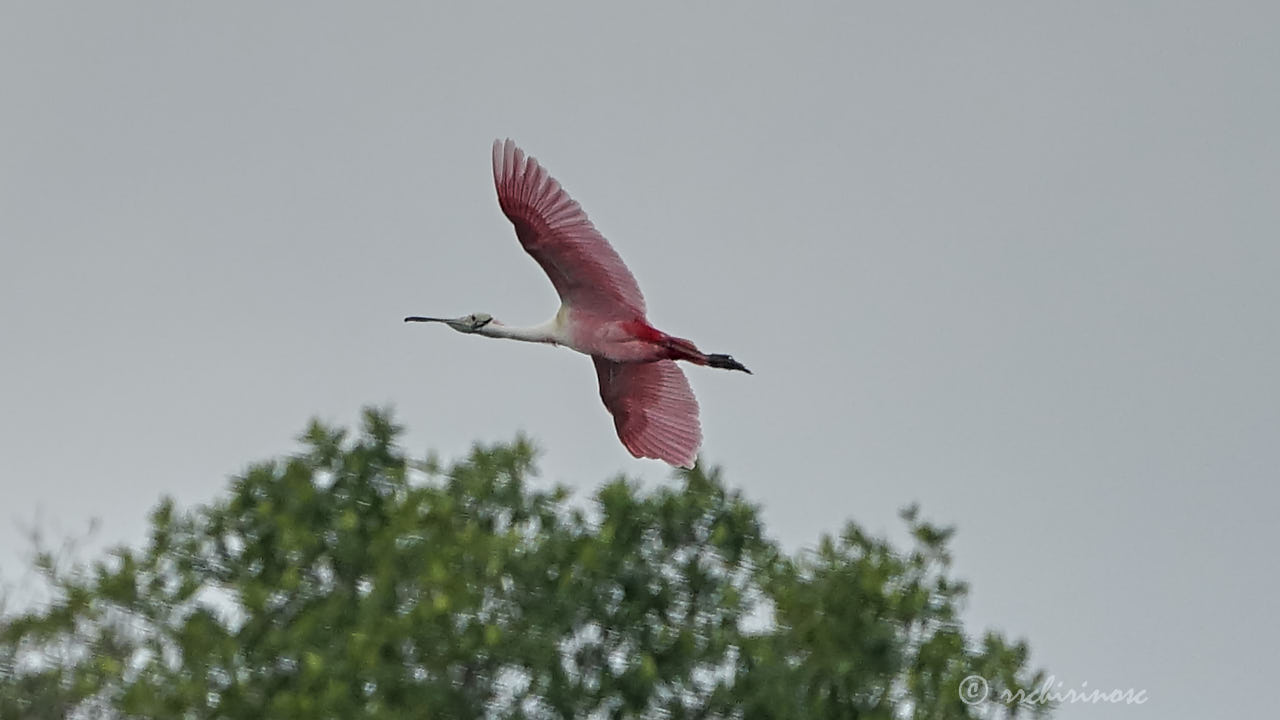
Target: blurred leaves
350,581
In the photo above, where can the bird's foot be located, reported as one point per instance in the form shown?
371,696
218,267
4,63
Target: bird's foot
726,362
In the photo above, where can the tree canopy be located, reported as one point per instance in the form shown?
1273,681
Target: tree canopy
350,581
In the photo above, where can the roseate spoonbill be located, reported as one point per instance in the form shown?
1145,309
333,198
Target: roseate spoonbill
601,314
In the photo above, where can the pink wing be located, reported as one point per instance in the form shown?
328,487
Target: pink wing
653,408
554,229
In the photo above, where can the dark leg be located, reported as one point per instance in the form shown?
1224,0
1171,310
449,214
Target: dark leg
726,362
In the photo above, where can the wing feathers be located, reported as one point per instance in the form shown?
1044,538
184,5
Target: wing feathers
653,409
585,270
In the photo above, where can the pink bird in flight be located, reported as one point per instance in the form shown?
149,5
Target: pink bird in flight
602,314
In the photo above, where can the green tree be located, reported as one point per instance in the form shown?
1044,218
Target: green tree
350,581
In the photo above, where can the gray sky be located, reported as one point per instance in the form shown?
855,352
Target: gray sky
1015,261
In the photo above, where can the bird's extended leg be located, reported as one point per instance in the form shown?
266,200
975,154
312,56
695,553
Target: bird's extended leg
677,348
682,349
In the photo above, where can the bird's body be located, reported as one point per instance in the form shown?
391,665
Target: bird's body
602,314
591,334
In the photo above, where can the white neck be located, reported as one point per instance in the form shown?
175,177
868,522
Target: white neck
547,332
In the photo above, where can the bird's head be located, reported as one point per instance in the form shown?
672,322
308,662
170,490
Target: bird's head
466,324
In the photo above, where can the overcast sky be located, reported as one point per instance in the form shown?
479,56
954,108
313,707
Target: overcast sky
1014,261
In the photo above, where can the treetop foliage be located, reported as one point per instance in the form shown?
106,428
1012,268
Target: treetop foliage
350,581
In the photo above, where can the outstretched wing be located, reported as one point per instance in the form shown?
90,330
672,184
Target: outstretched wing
554,229
653,409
